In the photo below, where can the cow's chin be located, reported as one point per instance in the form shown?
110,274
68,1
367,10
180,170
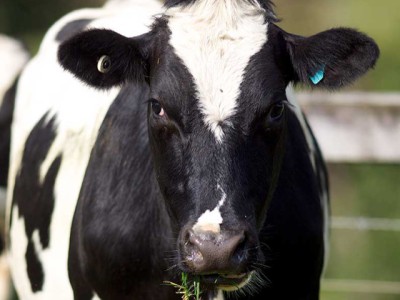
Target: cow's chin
227,283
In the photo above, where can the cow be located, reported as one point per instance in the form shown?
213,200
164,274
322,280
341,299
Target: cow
153,142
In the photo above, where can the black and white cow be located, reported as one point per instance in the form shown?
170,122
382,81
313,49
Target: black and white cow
190,153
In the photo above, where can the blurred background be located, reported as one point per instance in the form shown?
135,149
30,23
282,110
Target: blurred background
363,156
365,188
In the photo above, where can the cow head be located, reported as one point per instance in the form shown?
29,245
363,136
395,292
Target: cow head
217,114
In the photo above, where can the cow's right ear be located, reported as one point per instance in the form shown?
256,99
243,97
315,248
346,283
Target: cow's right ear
103,58
331,59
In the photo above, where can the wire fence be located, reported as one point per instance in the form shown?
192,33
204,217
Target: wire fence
358,128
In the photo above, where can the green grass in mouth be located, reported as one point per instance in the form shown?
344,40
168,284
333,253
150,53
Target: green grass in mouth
188,289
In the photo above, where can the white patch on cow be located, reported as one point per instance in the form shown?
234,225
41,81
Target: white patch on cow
17,261
325,210
210,221
13,58
137,3
215,39
16,255
219,296
36,242
95,297
78,111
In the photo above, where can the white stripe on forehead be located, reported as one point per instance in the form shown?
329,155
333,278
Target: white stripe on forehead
215,40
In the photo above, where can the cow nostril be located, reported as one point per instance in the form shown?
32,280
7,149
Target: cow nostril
191,249
239,255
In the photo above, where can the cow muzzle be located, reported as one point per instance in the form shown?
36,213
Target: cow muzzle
219,260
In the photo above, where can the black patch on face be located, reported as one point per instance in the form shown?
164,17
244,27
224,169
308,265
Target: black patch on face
72,28
34,199
6,116
257,141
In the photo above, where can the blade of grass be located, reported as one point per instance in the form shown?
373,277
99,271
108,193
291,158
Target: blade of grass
186,289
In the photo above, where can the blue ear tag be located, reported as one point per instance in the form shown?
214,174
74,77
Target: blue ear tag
318,76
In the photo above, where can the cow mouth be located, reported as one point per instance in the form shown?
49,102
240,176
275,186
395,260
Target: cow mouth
229,282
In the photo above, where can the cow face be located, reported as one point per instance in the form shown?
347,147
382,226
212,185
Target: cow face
217,115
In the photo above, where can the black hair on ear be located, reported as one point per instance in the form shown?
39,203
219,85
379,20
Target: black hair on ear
126,57
333,58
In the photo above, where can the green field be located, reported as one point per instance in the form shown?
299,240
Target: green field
371,191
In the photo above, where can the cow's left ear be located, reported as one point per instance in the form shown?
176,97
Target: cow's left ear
331,59
103,58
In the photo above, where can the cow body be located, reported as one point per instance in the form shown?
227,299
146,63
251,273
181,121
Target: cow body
188,161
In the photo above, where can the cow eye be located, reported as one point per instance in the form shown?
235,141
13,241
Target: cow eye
104,64
276,112
157,108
